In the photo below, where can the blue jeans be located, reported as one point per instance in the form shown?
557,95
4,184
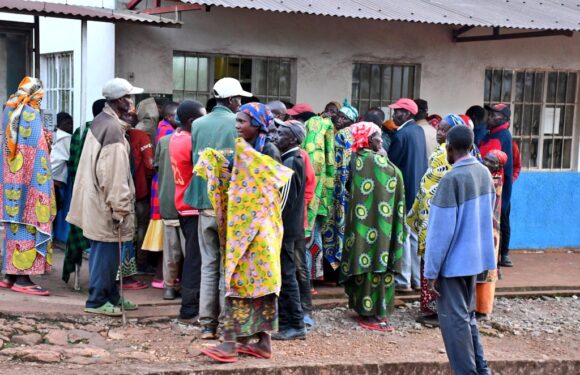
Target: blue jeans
103,268
456,307
410,275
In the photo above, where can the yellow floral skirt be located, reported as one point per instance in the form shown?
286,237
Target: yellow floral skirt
245,317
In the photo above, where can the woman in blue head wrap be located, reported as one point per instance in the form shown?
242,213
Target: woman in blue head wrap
252,123
347,115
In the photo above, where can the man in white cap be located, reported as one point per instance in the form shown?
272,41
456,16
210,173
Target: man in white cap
216,130
103,201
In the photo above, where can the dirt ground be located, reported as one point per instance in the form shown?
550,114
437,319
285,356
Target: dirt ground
521,329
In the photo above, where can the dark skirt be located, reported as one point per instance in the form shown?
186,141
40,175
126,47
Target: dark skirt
371,294
245,317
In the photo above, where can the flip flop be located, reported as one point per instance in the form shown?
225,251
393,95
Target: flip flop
218,355
381,327
313,292
253,351
5,283
157,284
107,309
136,285
33,290
128,305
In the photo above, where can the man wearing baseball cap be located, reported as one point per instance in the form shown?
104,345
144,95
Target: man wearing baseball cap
408,151
103,200
216,130
301,112
500,138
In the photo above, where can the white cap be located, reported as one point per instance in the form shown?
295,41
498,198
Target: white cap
119,87
228,87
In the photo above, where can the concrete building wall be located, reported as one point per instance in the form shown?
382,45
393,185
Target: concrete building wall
451,78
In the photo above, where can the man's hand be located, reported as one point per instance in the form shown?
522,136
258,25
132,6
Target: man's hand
433,284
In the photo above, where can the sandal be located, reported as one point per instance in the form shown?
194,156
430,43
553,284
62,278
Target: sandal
157,284
127,305
107,309
252,350
6,283
381,327
135,285
33,290
218,355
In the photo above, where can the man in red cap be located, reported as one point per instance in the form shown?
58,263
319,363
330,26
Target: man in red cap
500,138
301,112
408,151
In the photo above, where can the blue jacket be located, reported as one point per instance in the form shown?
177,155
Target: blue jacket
408,152
460,228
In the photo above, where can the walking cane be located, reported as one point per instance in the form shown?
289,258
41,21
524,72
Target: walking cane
121,274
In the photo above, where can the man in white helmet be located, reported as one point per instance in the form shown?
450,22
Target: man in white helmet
217,131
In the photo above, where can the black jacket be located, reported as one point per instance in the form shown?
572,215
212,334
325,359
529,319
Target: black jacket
293,213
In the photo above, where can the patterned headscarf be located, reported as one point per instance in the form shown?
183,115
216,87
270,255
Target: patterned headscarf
349,111
500,155
30,92
261,117
361,131
453,119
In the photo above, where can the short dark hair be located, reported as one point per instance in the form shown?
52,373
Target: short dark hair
476,113
376,115
422,109
98,106
168,108
62,117
189,109
460,138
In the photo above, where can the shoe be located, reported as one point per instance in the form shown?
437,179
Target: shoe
127,305
189,321
169,294
208,333
428,320
506,261
290,334
107,309
482,317
308,322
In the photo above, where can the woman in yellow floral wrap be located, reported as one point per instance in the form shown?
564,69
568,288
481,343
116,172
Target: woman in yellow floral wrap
253,232
26,191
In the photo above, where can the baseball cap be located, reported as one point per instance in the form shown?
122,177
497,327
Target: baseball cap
300,108
119,87
405,103
504,109
228,87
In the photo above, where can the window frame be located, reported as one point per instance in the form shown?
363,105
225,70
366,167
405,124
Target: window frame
253,80
541,137
53,94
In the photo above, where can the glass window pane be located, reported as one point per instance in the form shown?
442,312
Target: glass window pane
191,73
496,86
406,90
245,73
548,149
285,78
203,74
375,81
355,81
533,160
220,67
397,80
178,96
571,89
562,82
178,72
364,81
273,78
557,153
569,120
517,120
536,118
506,86
519,87
538,87
567,154
363,107
355,90
487,86
529,87
552,82
260,76
411,89
527,120
387,79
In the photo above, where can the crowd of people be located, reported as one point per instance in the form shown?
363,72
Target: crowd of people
238,206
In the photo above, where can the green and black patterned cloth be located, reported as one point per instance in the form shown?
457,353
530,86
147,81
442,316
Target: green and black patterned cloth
374,234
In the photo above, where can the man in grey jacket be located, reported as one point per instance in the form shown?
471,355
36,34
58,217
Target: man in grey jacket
103,201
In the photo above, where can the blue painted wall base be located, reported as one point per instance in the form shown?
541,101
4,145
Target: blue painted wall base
546,210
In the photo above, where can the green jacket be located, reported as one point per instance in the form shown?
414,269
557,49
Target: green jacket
217,130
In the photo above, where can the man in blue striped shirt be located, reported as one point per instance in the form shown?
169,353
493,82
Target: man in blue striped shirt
460,246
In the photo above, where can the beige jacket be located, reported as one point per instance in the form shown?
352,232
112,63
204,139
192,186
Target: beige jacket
103,189
148,117
430,136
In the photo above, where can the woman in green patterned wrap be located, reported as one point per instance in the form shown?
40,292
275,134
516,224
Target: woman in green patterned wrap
375,230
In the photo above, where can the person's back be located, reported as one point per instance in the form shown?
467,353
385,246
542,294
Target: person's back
293,213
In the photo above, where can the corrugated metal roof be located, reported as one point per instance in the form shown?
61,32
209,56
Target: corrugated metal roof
518,14
41,8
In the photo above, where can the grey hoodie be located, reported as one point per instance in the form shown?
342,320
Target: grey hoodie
148,116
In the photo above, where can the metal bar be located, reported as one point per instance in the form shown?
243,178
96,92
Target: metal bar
461,30
532,34
84,74
133,4
172,8
36,46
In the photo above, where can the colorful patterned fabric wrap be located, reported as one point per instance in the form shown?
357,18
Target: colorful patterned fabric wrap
418,216
349,111
261,117
375,227
27,199
492,276
76,243
428,300
333,231
361,132
212,166
129,262
245,317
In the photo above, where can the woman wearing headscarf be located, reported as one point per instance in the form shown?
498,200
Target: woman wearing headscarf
26,191
346,116
253,233
419,214
485,288
375,229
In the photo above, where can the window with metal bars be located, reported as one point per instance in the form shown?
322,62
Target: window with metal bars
378,85
57,77
543,107
267,78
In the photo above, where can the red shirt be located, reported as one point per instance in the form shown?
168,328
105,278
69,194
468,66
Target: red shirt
142,154
182,165
310,184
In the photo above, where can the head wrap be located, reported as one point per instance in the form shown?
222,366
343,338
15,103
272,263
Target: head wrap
361,131
297,129
452,119
261,117
349,111
467,120
434,120
501,156
30,92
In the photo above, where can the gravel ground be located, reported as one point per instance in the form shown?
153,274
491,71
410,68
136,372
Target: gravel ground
520,329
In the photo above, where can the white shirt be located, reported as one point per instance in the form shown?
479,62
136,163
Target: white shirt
59,156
